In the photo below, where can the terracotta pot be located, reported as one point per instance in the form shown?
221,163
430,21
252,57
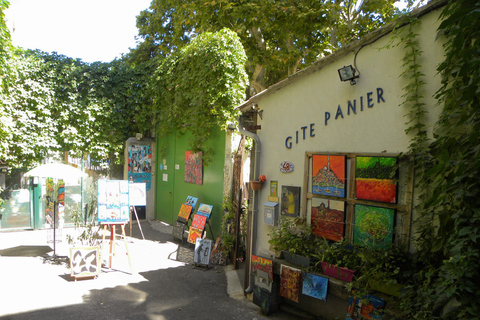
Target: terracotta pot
256,185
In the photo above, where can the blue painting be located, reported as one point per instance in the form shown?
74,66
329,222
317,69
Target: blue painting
315,286
191,201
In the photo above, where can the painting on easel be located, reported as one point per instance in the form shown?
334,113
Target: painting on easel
203,248
113,201
199,221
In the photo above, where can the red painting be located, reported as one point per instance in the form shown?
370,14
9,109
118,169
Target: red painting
328,219
193,167
290,283
199,221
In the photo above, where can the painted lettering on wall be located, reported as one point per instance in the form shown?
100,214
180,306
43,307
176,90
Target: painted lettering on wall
352,107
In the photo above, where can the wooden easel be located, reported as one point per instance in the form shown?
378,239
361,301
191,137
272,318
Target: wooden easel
113,229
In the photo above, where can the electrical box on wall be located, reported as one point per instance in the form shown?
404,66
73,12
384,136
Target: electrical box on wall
271,213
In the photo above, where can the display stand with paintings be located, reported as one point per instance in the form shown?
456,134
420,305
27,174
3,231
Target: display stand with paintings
183,217
113,210
199,223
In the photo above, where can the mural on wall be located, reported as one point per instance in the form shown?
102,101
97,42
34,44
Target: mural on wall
290,201
328,218
140,164
315,286
290,282
193,167
202,251
373,226
328,175
184,213
365,307
375,179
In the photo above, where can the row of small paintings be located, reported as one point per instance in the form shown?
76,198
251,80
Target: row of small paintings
293,282
375,177
373,226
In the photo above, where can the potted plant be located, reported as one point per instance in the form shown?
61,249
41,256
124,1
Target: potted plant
298,245
384,270
339,260
85,260
257,184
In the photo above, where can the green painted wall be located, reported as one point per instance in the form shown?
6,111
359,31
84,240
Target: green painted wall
172,193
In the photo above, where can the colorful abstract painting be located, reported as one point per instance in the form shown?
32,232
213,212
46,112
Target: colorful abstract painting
140,164
193,234
205,210
290,201
366,307
290,282
193,167
328,218
263,264
329,175
373,226
199,221
191,201
315,286
375,179
218,256
184,213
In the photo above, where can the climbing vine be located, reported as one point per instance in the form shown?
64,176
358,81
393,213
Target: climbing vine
448,168
199,87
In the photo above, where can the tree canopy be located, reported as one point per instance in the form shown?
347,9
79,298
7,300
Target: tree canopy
279,37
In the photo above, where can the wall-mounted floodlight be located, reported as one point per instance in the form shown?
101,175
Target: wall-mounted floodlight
347,73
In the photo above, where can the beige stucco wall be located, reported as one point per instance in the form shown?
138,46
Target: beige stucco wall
376,129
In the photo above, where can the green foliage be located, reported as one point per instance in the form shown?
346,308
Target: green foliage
55,103
198,88
446,284
279,37
287,236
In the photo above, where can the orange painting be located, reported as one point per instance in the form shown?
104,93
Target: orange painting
184,213
193,234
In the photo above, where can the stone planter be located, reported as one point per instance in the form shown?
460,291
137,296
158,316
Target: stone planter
296,259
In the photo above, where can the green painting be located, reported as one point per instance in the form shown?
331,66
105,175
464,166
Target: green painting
373,226
375,179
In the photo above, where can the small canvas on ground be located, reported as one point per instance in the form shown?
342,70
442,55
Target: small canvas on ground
203,248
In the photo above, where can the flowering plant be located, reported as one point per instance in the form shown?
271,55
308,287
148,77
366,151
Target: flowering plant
262,178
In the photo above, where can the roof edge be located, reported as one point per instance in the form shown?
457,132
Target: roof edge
366,40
